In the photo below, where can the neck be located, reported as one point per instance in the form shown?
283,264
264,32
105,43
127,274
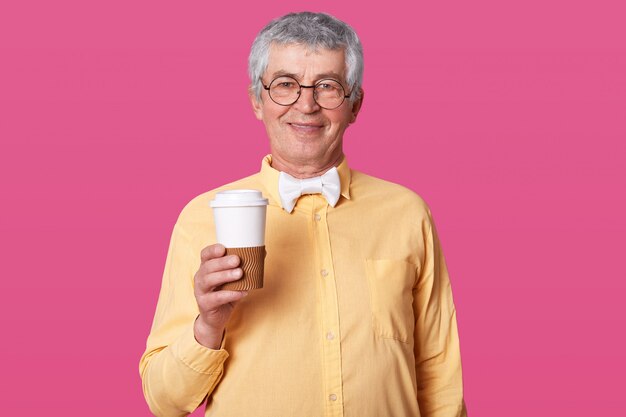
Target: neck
303,171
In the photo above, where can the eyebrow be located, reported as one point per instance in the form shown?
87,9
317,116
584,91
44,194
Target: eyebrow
298,77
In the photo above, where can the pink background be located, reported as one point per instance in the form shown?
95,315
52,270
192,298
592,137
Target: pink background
509,119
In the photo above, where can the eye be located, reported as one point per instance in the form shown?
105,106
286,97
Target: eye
285,83
328,87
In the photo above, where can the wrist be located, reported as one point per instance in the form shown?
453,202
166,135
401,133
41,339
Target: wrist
206,335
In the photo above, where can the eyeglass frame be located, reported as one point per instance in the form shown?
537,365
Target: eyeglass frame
267,88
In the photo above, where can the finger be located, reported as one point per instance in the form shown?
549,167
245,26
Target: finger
216,299
205,283
220,264
212,251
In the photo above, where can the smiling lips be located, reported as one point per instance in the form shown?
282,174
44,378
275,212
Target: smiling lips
306,127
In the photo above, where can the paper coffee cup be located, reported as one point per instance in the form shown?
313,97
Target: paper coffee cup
240,226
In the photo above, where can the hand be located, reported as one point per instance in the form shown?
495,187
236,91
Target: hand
215,305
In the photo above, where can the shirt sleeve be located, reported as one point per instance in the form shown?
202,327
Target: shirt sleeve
177,372
437,353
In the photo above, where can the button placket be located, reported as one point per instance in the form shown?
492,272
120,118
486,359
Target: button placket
330,310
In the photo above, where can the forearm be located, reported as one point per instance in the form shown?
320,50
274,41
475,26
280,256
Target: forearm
177,378
439,377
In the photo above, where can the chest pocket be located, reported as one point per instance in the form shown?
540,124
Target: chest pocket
391,298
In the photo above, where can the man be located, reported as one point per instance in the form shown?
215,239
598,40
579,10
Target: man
356,315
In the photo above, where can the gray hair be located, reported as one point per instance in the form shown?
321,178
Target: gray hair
313,30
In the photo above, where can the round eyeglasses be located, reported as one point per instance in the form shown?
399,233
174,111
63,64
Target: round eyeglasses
327,93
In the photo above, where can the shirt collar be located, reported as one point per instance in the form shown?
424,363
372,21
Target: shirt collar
269,178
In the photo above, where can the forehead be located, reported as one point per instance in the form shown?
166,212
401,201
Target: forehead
304,62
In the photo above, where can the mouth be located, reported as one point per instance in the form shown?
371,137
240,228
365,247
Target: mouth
306,127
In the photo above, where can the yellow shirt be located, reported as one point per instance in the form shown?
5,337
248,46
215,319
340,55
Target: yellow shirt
355,318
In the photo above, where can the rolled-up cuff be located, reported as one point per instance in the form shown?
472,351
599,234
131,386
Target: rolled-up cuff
197,357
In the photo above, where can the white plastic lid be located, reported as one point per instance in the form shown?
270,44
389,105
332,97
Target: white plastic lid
239,198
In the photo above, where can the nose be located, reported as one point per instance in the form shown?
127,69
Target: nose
306,102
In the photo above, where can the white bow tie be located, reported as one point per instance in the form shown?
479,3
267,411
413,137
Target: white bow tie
291,188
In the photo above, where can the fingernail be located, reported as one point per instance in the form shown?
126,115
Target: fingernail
244,293
237,272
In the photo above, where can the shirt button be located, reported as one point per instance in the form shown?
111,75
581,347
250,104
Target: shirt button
332,397
318,217
324,272
330,336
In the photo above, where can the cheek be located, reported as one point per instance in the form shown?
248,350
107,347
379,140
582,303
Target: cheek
272,111
340,122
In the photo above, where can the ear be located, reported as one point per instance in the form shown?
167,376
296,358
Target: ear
356,106
257,105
